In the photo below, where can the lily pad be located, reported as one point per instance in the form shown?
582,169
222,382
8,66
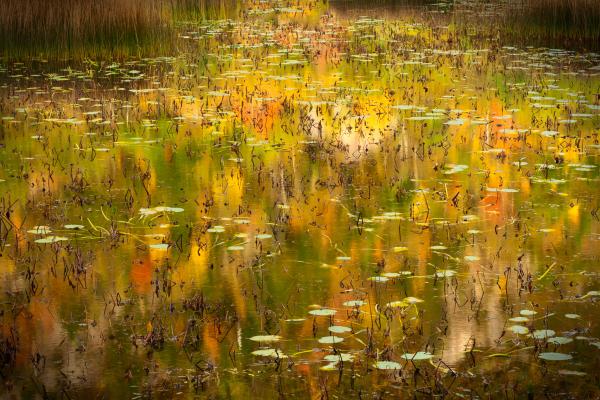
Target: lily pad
159,246
266,338
519,330
339,357
331,339
273,353
418,356
51,239
558,340
323,312
543,333
354,303
527,312
339,329
555,356
387,365
74,226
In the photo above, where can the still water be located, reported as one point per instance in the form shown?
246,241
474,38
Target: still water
307,201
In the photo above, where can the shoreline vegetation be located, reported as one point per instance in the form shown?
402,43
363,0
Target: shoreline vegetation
574,23
79,29
98,28
547,23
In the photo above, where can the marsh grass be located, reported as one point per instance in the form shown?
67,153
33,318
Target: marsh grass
96,28
566,22
558,23
79,29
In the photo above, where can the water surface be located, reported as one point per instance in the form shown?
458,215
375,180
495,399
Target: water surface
307,201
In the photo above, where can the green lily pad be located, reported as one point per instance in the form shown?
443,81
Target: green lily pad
387,365
519,330
273,353
330,340
527,312
339,329
543,333
51,239
339,357
555,356
266,338
323,312
418,356
354,303
558,340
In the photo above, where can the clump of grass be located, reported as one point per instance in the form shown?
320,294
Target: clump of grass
83,28
562,20
68,24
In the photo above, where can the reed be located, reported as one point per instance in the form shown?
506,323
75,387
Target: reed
66,25
564,21
78,28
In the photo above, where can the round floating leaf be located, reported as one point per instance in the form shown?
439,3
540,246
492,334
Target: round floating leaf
266,338
159,246
418,356
555,356
527,312
40,230
439,247
339,357
169,209
263,236
330,339
379,279
574,373
332,366
339,329
591,293
543,333
323,312
354,303
445,273
560,340
412,300
274,353
51,239
295,320
397,304
519,330
387,365
74,226
235,248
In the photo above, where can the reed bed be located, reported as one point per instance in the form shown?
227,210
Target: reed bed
65,23
566,22
91,27
114,28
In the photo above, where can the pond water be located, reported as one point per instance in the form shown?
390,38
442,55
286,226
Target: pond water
305,201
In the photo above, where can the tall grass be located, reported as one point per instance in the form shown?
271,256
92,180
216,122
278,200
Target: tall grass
75,28
564,21
81,28
66,24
